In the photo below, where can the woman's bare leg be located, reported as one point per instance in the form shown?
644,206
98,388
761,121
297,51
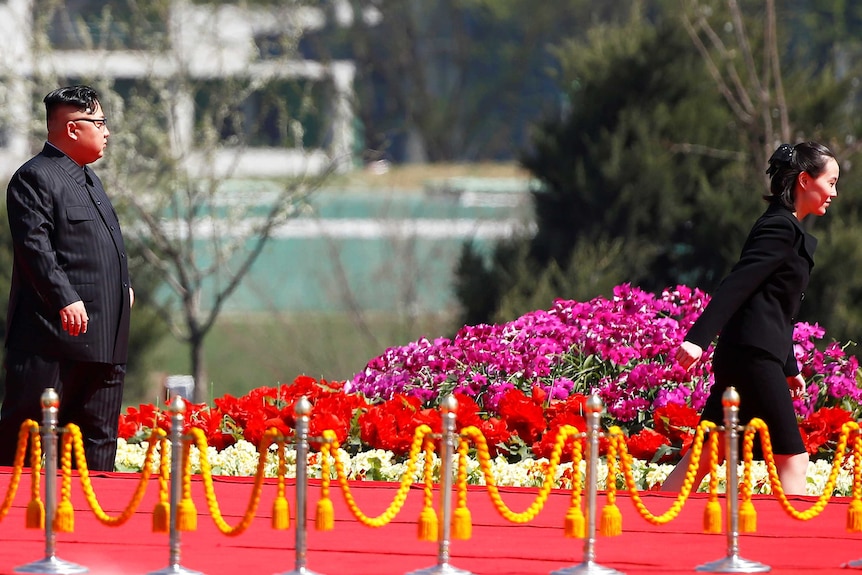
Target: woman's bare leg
792,471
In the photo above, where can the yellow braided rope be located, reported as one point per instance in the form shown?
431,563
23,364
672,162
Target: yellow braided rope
76,439
611,461
394,508
757,425
854,510
687,486
565,432
461,481
428,522
64,520
462,521
577,480
35,517
18,466
857,467
199,438
164,469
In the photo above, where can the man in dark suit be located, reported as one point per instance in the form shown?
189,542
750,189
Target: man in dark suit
70,298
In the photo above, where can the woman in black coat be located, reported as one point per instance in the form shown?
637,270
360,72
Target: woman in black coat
755,308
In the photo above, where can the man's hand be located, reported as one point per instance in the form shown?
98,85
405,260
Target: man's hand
688,354
74,318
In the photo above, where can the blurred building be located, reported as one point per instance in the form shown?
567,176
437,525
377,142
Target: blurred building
125,42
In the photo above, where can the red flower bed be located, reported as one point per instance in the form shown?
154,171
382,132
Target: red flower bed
527,424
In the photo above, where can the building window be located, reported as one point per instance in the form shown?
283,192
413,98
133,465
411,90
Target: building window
89,24
285,113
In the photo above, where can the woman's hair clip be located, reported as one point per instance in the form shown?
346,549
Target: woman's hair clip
783,155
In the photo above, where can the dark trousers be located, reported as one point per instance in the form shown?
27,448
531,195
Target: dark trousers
91,396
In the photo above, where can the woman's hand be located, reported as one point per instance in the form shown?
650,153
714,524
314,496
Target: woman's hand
796,383
688,354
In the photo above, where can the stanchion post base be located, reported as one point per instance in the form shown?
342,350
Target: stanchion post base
441,569
587,568
733,564
300,571
175,570
52,565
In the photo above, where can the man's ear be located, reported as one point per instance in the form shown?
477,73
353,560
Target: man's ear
71,130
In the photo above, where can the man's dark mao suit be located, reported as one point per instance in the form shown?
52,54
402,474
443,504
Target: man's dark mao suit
68,247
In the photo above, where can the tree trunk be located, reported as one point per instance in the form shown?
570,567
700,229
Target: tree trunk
196,348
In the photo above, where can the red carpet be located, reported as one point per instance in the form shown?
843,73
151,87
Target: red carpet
498,547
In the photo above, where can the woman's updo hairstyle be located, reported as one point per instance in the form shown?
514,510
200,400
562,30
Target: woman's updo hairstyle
785,165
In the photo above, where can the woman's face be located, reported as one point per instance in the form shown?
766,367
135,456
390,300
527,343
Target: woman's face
813,195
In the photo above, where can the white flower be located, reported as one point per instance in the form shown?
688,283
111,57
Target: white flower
241,459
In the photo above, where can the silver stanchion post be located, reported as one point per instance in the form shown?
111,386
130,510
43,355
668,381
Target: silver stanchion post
177,409
450,407
51,563
589,566
303,408
733,563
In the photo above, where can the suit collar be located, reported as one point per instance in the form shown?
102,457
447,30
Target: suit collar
78,173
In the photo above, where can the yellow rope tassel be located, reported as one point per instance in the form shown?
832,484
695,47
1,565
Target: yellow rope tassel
747,517
462,523
712,513
280,514
64,516
280,510
712,517
854,516
611,523
428,525
64,520
35,514
162,510
187,515
575,527
325,515
428,517
162,517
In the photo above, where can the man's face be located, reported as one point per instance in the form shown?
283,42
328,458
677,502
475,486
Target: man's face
88,132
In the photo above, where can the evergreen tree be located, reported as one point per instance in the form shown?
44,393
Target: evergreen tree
637,177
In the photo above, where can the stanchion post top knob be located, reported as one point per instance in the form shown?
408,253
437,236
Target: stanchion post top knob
594,404
177,405
50,399
303,406
730,397
450,404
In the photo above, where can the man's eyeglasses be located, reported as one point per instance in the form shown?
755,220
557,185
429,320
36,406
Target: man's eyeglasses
100,123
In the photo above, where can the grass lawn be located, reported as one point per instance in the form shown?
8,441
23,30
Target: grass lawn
245,351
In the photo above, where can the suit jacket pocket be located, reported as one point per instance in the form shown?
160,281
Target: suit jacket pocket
87,292
79,213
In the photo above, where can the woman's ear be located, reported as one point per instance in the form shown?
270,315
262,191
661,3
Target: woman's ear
803,179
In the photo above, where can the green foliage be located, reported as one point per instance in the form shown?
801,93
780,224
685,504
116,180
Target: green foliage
638,178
